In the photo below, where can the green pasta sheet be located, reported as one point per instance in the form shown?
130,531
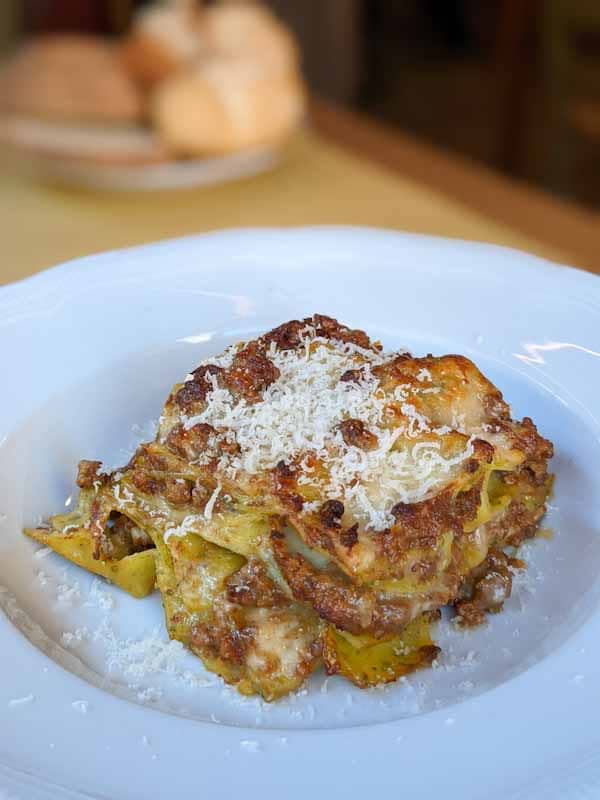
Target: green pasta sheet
134,573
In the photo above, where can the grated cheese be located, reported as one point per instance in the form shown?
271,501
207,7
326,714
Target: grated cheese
153,655
187,526
298,417
21,701
208,509
67,528
66,594
250,745
99,597
149,695
72,639
42,577
127,495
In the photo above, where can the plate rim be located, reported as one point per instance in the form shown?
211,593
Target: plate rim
541,263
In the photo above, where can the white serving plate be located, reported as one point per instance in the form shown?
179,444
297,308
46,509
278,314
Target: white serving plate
89,352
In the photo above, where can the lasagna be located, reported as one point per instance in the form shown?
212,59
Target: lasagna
312,500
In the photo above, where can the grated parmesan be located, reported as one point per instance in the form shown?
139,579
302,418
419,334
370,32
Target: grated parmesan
21,701
153,655
42,552
208,510
250,745
66,594
99,597
187,526
298,418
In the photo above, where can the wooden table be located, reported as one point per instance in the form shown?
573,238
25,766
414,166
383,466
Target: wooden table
344,170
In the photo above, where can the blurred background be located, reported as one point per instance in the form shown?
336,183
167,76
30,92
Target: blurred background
514,84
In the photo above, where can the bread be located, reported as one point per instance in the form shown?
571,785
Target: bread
217,80
98,144
225,77
227,104
164,40
69,77
246,30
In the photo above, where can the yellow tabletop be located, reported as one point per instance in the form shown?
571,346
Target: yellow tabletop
318,183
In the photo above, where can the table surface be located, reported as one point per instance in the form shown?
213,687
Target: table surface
342,170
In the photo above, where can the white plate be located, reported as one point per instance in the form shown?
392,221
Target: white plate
90,350
169,175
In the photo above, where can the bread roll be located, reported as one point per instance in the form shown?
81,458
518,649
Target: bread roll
227,104
247,29
164,40
69,77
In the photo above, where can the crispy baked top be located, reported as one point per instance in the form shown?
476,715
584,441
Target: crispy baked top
337,420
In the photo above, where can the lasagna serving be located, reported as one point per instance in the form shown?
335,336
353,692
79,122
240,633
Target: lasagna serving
310,500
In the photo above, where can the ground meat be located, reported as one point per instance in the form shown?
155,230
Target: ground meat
285,337
520,520
146,483
125,537
193,392
330,328
201,374
349,537
420,525
285,485
537,449
146,458
349,607
352,376
289,336
292,501
355,434
252,586
200,495
221,638
469,615
495,407
331,512
177,491
250,373
465,506
491,587
88,472
284,474
190,443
